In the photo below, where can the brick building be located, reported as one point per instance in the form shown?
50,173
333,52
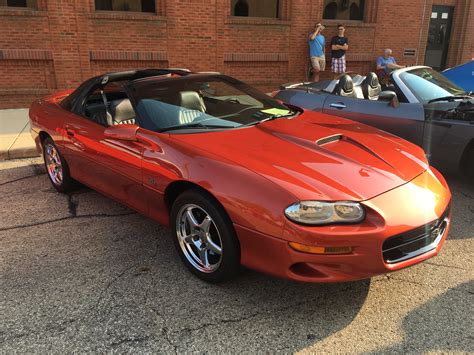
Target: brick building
46,45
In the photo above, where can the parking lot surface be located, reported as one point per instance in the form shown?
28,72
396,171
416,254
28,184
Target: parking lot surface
80,272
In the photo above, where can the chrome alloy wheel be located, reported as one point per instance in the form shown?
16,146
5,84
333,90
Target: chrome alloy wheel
199,238
53,164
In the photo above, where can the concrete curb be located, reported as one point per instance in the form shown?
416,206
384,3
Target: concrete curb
15,138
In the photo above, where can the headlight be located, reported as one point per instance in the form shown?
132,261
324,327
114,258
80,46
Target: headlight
321,212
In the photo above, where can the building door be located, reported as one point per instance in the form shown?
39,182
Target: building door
438,37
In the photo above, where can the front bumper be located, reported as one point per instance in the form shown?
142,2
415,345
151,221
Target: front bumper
396,213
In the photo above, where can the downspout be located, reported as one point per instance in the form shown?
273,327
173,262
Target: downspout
421,33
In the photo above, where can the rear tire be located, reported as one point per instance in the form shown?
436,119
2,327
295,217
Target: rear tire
204,237
57,168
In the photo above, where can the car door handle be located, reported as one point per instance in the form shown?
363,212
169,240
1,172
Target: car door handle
338,105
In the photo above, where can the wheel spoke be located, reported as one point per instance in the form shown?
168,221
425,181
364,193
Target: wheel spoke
51,168
59,174
188,239
213,246
191,219
206,224
203,257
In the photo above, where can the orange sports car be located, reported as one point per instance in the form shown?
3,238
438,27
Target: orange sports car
243,179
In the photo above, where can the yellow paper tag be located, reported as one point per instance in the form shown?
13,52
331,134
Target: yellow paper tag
276,111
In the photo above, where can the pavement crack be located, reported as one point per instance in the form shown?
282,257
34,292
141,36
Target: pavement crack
239,319
115,279
447,266
19,179
99,215
165,330
129,340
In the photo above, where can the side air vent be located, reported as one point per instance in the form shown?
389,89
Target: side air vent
409,52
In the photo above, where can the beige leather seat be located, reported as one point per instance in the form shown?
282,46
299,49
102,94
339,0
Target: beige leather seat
122,112
192,106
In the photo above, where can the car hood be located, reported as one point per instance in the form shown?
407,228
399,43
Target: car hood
317,156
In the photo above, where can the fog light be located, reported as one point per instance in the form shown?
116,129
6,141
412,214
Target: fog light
320,250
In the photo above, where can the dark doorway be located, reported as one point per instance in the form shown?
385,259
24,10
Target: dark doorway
438,37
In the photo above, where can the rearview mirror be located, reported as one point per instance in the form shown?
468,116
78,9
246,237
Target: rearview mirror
122,132
389,96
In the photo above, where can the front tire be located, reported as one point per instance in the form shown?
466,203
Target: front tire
204,237
57,168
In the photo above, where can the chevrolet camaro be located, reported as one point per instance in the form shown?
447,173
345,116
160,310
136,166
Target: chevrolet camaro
242,179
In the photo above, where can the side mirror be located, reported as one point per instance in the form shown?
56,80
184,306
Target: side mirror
389,96
122,132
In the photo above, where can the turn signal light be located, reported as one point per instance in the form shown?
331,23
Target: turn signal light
320,250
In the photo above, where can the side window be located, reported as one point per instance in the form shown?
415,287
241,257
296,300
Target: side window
95,109
125,5
256,8
109,105
344,10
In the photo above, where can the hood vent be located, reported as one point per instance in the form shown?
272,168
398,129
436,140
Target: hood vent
330,139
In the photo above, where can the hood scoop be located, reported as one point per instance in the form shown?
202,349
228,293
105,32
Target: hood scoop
330,139
340,137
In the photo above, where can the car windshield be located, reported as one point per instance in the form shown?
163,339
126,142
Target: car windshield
427,84
201,102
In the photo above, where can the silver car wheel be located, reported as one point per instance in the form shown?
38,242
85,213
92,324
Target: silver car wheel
199,238
53,164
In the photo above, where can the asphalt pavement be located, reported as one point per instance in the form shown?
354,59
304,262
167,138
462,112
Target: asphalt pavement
80,272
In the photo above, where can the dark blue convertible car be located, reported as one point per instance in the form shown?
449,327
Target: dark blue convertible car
417,104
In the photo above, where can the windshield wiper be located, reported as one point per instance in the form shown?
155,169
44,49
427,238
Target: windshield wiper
450,98
270,118
193,125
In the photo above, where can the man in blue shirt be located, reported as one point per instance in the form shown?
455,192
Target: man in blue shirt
317,42
387,63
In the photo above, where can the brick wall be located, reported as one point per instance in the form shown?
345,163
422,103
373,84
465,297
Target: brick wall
63,42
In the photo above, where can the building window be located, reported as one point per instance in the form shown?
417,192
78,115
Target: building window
125,5
344,10
18,3
256,8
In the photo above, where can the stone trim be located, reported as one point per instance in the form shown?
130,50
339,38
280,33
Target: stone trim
26,54
128,56
255,57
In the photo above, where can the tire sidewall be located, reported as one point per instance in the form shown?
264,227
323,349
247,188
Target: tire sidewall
230,263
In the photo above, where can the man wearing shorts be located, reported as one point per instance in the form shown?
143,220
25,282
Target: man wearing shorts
339,46
316,51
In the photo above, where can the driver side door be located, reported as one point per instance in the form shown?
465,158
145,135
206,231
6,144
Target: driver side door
405,121
110,166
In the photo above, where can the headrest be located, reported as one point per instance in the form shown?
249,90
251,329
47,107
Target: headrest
371,87
345,83
122,110
345,87
372,80
191,100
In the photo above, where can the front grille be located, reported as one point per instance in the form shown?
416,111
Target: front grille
415,242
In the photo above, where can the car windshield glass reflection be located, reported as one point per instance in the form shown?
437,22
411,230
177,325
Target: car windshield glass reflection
427,84
202,103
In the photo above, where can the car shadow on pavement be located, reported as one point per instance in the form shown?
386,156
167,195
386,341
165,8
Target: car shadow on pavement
444,324
83,273
91,275
254,312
